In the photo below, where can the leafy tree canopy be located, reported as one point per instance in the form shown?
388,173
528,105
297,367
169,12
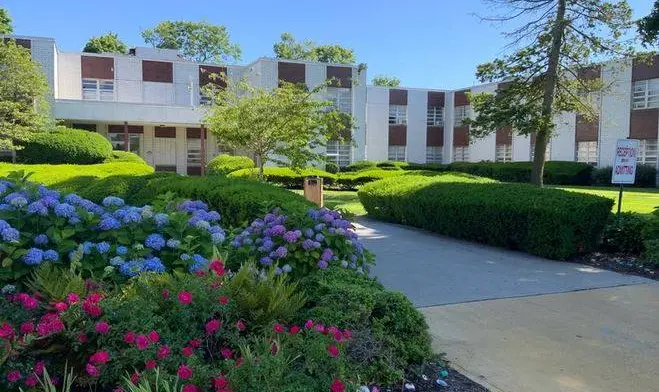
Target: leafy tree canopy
648,27
5,22
23,88
289,48
198,41
385,81
108,43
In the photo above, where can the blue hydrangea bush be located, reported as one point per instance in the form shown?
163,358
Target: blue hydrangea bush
110,241
298,246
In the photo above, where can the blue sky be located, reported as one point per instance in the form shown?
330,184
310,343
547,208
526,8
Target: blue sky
434,44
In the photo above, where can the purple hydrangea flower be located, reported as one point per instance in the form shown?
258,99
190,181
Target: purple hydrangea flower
327,254
290,236
319,237
65,210
277,230
308,244
266,260
281,252
322,264
37,207
72,198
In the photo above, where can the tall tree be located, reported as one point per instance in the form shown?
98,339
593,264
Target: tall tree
23,88
289,48
557,39
107,43
5,22
648,27
197,41
283,122
385,81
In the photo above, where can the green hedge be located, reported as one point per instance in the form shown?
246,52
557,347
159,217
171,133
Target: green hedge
360,165
125,156
285,176
646,176
352,180
225,164
65,145
546,222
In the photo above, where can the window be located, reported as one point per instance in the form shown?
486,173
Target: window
435,116
504,153
461,112
547,152
397,114
645,94
647,153
205,99
434,154
194,151
341,98
587,152
118,142
338,152
397,153
460,153
98,89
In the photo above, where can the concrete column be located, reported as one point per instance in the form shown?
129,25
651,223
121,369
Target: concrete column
447,153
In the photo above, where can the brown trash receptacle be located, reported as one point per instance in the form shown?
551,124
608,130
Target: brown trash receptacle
313,189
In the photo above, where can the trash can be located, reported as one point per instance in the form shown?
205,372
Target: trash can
313,189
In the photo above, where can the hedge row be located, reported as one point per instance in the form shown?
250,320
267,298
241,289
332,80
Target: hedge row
64,145
546,222
224,164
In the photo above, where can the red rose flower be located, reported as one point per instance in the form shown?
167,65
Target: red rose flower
142,342
337,386
82,338
31,381
294,330
190,388
195,343
163,352
100,358
220,382
224,300
184,297
102,327
61,306
184,372
187,351
338,336
135,378
6,331
94,298
217,266
14,376
226,353
153,336
240,325
129,337
213,326
92,370
308,324
72,298
39,367
27,327
151,364
165,294
278,328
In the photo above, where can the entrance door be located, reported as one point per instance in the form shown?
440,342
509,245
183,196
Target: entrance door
164,149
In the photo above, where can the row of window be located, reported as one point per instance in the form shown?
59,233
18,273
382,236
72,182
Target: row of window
434,115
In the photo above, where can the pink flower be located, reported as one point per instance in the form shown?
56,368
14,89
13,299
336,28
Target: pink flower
92,370
320,328
187,351
102,327
184,372
82,338
72,298
347,334
61,306
333,351
278,328
240,325
14,376
135,378
27,327
226,353
142,342
217,266
39,367
6,331
338,336
220,382
184,297
224,300
31,380
163,352
91,308
100,358
213,326
195,343
337,386
153,336
308,324
294,330
151,364
190,388
30,303
94,298
165,294
129,337
49,324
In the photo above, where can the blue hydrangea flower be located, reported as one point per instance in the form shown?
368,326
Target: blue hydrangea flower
199,263
153,264
290,236
121,250
6,207
184,256
278,271
248,241
217,238
344,264
65,210
103,247
213,216
161,219
8,289
322,264
72,198
154,241
50,201
131,268
147,212
287,268
10,234
113,201
18,202
308,232
132,216
215,229
266,260
37,207
277,230
281,252
4,224
109,223
172,243
202,224
116,260
34,256
320,237
50,255
41,239
45,192
308,244
87,247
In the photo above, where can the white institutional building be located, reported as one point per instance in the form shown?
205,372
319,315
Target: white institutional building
149,102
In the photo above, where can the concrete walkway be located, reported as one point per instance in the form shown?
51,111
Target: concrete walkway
520,323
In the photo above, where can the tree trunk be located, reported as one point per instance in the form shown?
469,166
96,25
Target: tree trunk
551,79
260,163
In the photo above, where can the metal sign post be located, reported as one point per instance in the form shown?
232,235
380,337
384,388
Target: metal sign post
624,165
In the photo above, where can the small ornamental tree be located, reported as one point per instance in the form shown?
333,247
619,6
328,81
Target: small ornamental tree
108,43
385,81
648,27
5,22
287,125
289,48
555,43
23,88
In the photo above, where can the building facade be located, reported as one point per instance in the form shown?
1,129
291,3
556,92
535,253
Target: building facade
150,102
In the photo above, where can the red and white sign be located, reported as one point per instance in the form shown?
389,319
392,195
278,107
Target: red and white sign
624,165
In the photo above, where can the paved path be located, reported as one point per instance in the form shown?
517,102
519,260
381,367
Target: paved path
521,323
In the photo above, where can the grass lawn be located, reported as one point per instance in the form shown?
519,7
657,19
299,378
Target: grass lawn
342,200
642,200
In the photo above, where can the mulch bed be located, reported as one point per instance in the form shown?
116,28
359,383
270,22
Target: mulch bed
424,380
625,264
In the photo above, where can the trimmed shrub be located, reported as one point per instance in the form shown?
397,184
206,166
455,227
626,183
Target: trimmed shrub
285,176
238,200
225,164
125,156
332,167
65,145
621,233
546,222
651,239
360,165
353,180
389,333
646,176
395,165
123,186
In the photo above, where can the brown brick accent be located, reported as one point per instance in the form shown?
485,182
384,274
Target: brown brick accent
218,73
397,97
504,136
195,133
291,72
168,132
340,76
434,136
642,70
589,73
436,99
157,71
461,136
461,98
586,131
114,128
644,124
397,135
97,67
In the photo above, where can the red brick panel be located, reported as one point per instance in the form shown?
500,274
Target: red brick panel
120,128
157,71
210,74
97,67
168,132
291,72
195,133
504,136
434,136
397,135
340,76
586,131
435,99
644,124
461,136
642,70
461,98
589,73
397,97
